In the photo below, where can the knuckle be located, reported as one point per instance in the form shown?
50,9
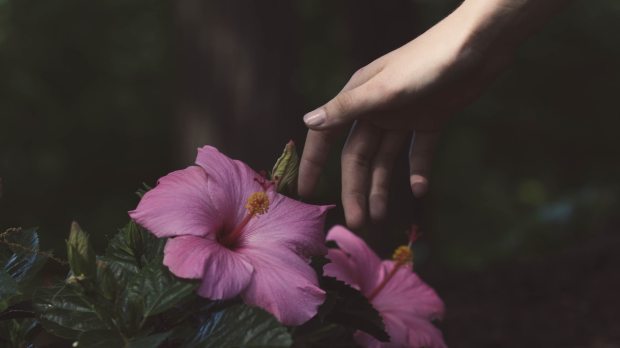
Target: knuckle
389,92
355,159
358,74
343,102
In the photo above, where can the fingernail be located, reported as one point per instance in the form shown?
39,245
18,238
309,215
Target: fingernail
315,118
419,189
419,186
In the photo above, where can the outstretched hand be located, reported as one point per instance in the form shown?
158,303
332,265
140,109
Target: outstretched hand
404,97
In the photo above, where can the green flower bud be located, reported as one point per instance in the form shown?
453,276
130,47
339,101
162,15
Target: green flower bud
80,253
284,173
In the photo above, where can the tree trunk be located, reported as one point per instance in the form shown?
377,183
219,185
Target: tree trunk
235,61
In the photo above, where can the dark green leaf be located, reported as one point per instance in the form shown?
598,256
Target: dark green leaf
142,190
151,341
346,306
102,339
242,326
20,258
17,333
8,290
154,290
132,248
66,311
114,339
107,281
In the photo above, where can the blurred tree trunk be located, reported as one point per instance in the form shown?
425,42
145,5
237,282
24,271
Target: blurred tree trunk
236,60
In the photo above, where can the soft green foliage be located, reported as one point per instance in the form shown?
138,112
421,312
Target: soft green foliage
131,300
131,287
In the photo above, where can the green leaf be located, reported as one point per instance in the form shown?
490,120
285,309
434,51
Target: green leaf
242,326
107,281
101,339
108,338
348,307
19,254
80,253
17,333
133,248
149,341
66,311
8,290
153,291
285,171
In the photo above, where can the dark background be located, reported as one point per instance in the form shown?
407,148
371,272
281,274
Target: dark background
520,229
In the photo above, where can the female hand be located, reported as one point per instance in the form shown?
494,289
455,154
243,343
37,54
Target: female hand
410,91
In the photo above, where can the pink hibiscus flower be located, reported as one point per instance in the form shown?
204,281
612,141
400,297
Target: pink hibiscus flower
228,227
405,302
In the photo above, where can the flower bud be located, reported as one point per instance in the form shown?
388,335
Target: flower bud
284,172
80,253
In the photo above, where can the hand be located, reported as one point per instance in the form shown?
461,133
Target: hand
412,90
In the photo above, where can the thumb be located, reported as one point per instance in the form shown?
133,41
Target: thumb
347,106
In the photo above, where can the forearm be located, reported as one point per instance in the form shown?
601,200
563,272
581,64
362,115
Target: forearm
502,25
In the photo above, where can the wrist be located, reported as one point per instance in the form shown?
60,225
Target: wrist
490,26
500,26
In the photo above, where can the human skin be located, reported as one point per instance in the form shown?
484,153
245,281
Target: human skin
408,95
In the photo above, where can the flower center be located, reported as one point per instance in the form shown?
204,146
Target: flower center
257,204
403,255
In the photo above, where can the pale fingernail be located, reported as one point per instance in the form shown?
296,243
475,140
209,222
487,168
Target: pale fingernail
315,118
419,186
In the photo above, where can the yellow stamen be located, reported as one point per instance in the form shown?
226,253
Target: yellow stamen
403,254
258,203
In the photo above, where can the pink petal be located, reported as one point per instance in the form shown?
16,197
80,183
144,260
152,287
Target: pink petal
422,333
407,296
365,261
231,184
290,223
225,273
342,268
178,205
283,285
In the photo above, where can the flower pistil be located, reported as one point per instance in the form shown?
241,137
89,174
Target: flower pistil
257,204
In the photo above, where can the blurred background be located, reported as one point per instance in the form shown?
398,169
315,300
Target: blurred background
521,229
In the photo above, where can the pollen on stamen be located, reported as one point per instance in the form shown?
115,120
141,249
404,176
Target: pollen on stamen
402,255
258,203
